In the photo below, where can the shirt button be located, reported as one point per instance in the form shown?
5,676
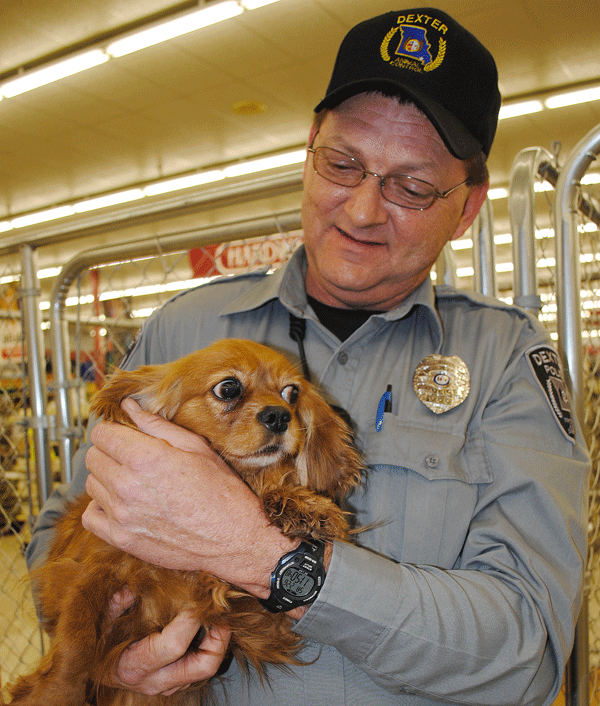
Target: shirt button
342,358
432,461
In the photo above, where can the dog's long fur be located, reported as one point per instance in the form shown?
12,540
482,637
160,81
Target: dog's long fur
296,454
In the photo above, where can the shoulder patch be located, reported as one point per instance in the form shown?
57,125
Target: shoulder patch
545,363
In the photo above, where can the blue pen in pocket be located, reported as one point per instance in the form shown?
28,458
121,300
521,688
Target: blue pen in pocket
385,405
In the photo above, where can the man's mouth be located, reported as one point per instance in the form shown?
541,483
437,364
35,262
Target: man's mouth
359,241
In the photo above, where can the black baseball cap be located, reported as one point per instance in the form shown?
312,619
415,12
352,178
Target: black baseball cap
427,56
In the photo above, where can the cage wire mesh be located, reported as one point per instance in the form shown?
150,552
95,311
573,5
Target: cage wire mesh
20,637
589,237
590,303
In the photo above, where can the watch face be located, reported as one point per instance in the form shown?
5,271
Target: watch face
296,582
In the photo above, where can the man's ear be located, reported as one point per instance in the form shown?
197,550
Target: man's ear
471,208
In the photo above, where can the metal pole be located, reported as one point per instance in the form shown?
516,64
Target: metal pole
568,278
484,260
36,371
521,208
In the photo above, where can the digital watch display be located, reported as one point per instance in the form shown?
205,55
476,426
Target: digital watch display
297,578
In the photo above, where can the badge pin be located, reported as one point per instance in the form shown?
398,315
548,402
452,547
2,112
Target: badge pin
441,382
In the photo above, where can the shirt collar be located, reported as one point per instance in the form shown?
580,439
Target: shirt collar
287,285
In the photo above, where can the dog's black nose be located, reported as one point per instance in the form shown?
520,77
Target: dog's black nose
276,419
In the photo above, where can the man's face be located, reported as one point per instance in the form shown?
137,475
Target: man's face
363,251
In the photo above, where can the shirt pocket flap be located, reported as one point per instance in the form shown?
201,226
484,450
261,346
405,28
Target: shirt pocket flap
434,453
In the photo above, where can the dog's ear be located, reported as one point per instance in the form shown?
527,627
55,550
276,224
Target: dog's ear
155,387
329,462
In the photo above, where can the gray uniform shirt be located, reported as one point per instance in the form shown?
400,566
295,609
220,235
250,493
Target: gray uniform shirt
467,586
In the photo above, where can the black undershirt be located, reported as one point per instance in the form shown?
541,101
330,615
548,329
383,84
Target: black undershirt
341,322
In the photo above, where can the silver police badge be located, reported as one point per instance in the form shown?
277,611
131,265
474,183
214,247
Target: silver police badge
441,382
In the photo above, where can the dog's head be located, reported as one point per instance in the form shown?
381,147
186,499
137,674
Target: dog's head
251,404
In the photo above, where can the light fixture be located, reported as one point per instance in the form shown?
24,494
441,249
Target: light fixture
264,163
108,200
461,244
49,214
557,100
512,110
53,72
497,193
48,272
592,178
573,97
253,4
169,29
160,187
126,44
185,182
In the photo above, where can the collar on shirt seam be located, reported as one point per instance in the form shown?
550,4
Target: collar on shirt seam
286,284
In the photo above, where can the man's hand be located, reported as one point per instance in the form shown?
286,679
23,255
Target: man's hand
163,495
160,664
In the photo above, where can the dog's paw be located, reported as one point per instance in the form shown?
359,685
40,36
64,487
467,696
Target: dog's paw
302,513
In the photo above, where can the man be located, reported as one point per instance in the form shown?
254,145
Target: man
467,586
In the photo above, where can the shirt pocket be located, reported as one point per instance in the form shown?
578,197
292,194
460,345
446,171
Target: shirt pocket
421,491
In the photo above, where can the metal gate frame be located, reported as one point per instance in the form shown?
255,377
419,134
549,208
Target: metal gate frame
567,204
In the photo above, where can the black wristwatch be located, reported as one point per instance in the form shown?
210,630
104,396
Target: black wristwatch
297,578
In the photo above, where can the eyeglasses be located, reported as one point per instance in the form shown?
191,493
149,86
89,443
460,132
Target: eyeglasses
399,189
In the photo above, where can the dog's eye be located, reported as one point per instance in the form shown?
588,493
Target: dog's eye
290,394
228,389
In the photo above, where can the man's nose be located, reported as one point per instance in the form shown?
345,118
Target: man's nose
365,203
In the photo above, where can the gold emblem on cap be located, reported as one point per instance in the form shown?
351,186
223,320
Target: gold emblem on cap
441,382
406,62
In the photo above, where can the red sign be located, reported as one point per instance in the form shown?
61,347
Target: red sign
242,256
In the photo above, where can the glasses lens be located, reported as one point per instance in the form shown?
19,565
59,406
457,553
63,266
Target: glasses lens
407,191
338,167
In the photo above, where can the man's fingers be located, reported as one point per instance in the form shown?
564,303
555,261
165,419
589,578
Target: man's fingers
160,664
160,428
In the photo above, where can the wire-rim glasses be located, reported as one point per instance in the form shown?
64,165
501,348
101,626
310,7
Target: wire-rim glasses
400,189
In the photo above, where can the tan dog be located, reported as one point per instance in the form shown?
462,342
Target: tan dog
287,444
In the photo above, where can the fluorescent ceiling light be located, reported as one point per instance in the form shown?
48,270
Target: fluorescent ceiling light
541,186
142,313
253,4
574,97
523,108
54,72
48,272
170,29
185,182
591,179
42,216
109,200
461,244
499,193
258,165
177,183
